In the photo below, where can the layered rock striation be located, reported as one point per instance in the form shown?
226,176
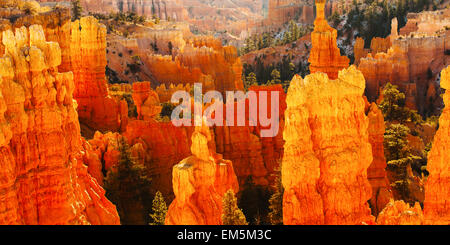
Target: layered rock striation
437,190
327,151
43,176
96,108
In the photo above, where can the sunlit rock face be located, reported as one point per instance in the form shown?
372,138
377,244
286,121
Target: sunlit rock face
437,189
400,213
426,22
88,61
327,151
325,56
43,175
199,184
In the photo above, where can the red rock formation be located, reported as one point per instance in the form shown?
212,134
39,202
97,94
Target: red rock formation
88,60
251,154
377,45
42,175
164,145
412,63
146,101
376,173
165,93
191,60
437,189
162,9
427,22
325,56
199,183
282,11
400,213
327,151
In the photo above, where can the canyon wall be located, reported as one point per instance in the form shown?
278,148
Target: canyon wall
176,58
282,11
427,22
199,184
159,145
325,56
412,63
43,177
163,9
327,151
437,190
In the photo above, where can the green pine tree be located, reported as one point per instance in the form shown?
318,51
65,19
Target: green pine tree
276,202
159,210
231,214
275,75
77,10
250,80
393,106
127,185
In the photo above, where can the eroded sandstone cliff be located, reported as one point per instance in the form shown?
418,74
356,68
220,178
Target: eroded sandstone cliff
437,190
88,61
327,151
43,177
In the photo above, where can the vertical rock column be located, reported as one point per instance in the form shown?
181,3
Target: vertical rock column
325,56
327,151
199,184
437,188
88,61
376,173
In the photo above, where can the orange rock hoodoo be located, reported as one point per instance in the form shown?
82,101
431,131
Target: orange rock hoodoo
43,179
199,183
325,56
376,173
327,151
437,189
87,61
146,101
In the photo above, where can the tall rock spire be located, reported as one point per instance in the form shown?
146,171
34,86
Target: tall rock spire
325,56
